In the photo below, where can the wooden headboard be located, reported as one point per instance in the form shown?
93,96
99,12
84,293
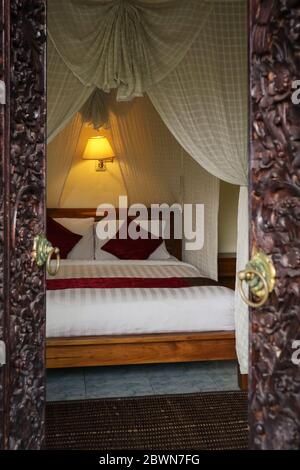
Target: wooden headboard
174,245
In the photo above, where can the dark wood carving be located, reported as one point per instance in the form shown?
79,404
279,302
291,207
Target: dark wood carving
2,59
25,161
275,206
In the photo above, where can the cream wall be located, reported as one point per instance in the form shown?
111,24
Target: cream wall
229,196
86,187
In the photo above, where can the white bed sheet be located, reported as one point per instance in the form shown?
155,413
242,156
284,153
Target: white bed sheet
120,311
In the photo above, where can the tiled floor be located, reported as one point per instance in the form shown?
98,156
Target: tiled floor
125,381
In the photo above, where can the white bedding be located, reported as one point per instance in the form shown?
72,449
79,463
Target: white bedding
119,311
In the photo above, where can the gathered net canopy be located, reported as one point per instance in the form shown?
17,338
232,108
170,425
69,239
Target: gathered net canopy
155,168
191,59
65,93
203,101
158,170
128,45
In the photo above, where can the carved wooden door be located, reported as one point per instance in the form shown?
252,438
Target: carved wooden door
274,395
22,315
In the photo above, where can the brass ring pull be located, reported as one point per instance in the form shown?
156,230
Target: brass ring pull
53,271
42,253
248,274
260,275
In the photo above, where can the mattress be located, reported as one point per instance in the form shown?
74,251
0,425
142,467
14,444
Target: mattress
136,310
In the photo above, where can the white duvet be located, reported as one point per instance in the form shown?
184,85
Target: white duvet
119,311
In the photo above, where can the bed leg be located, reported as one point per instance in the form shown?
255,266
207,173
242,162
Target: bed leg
242,379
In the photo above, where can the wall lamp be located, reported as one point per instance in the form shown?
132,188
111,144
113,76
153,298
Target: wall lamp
98,148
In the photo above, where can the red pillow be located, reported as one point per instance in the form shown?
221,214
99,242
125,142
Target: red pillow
61,237
132,249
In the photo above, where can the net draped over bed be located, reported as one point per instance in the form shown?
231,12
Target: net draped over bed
157,169
191,59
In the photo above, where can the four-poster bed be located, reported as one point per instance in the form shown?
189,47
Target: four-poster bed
208,120
78,351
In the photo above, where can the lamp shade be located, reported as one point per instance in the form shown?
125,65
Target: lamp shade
98,148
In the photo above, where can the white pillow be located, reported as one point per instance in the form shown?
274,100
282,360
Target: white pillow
161,253
84,249
77,225
100,254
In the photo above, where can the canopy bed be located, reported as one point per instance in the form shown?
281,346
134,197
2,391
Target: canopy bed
156,310
198,91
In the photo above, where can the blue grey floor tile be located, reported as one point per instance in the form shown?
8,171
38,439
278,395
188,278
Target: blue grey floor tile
65,384
122,381
225,367
98,387
204,369
182,384
94,374
165,371
226,383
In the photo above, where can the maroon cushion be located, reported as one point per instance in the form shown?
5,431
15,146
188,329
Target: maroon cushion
132,249
61,237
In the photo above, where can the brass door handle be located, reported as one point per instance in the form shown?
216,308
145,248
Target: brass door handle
42,253
260,275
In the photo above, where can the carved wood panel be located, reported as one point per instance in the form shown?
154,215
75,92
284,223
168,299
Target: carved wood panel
1,223
275,207
24,190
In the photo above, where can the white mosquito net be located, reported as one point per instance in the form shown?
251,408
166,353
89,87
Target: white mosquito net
191,60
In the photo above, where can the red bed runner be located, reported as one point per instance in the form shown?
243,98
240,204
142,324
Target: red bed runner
126,282
111,282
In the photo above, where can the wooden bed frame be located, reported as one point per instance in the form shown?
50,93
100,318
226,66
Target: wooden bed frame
143,349
139,349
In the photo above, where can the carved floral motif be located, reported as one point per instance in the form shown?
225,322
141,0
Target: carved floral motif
275,205
25,313
1,223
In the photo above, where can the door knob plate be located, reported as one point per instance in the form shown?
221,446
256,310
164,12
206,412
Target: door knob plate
41,249
42,252
260,275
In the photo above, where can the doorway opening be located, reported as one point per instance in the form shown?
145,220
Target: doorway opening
133,317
